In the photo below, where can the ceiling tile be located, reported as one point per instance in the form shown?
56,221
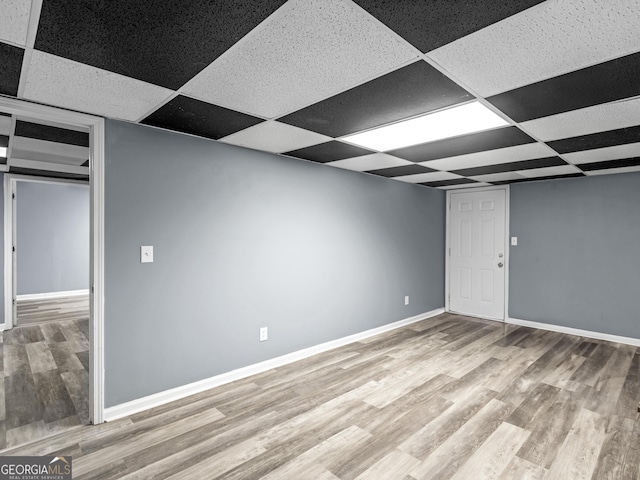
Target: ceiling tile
620,163
63,83
499,177
46,151
465,144
597,140
11,61
163,43
461,185
409,91
585,121
548,40
550,171
51,134
532,179
4,140
275,137
328,152
375,161
602,154
613,171
5,125
527,151
308,51
602,83
14,21
512,166
188,115
429,25
401,171
454,182
427,177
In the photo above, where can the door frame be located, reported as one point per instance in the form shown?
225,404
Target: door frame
506,243
95,125
11,231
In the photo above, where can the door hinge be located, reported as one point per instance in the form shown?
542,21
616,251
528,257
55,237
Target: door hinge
13,196
13,248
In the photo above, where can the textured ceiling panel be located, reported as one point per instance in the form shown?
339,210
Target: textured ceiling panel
63,83
328,152
432,24
374,161
527,151
613,80
51,134
585,121
14,21
275,137
11,61
602,154
324,47
165,43
412,90
597,140
187,115
548,40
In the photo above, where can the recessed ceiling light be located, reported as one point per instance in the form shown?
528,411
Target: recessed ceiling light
3,151
468,118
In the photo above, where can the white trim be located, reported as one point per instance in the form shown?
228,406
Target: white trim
96,327
575,331
161,398
44,296
8,254
507,190
95,125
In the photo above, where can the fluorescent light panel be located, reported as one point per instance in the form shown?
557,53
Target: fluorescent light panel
3,151
468,118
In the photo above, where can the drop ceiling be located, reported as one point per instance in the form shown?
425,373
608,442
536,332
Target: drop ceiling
296,77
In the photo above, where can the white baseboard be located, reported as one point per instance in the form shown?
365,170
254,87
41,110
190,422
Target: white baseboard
576,331
44,296
157,399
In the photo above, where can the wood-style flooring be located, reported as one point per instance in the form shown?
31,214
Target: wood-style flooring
446,398
44,386
52,309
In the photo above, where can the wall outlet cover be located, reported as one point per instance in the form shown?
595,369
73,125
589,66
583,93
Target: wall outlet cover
146,254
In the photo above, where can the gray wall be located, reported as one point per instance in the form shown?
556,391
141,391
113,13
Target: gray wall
244,239
577,262
52,222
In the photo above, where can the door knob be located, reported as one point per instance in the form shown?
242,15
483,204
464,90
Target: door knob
500,265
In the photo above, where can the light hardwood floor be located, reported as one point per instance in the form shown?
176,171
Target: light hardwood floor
449,397
52,309
44,381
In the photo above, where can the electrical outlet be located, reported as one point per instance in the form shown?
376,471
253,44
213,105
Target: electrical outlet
264,335
406,300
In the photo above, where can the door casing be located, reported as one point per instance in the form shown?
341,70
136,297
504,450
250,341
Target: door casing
95,125
506,240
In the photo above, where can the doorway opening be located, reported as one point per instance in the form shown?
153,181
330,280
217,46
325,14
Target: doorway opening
53,364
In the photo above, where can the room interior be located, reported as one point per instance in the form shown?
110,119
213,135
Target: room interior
229,147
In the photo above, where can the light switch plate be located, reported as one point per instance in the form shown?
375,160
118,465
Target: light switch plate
514,240
146,254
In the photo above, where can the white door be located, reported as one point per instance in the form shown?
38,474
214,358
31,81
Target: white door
477,253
